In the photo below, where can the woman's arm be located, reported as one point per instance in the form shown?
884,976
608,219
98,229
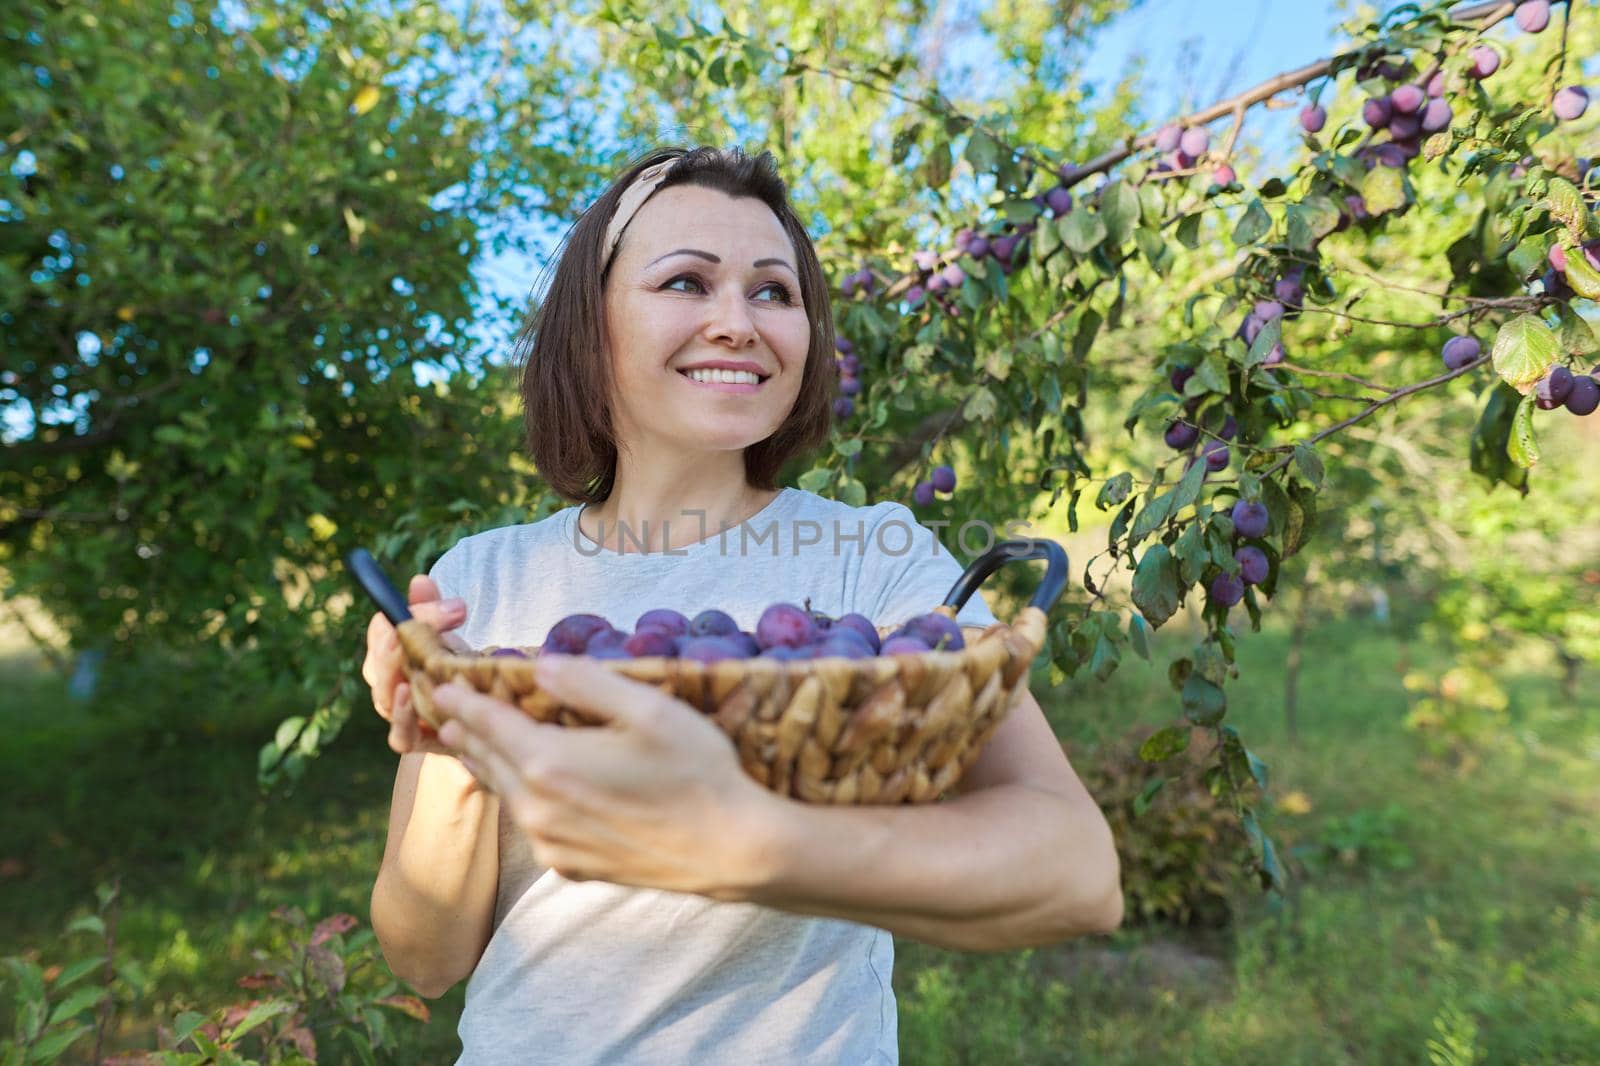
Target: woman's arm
1021,857
433,901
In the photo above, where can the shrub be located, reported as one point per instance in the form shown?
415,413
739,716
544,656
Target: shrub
1180,848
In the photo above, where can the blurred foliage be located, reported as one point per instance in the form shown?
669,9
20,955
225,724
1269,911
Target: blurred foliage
1180,848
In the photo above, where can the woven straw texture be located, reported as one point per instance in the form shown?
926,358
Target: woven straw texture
883,730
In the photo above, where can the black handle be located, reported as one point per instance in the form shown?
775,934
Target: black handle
377,585
1050,588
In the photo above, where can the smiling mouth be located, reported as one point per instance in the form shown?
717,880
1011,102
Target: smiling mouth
726,377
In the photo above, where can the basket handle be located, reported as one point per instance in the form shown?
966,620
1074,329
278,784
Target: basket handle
370,576
1050,587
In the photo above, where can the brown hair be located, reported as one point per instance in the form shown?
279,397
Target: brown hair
567,384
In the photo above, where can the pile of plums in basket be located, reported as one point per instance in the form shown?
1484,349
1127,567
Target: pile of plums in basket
784,631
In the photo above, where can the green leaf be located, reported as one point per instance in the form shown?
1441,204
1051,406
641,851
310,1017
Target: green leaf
1308,463
1271,334
1253,225
1491,436
1565,204
1187,491
187,1022
49,1048
937,166
1114,491
1384,189
1139,636
1530,255
1155,513
1119,207
1155,585
1165,743
980,405
1105,659
982,152
1154,249
1081,230
1190,549
1520,446
815,479
84,998
1203,702
1188,232
261,1012
1147,794
1524,349
1576,336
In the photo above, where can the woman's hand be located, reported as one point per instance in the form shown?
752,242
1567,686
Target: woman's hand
655,798
391,694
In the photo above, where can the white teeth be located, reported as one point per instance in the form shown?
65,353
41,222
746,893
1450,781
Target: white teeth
733,377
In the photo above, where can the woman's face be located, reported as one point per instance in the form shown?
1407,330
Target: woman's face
704,278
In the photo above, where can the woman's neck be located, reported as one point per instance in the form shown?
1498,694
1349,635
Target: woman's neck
664,516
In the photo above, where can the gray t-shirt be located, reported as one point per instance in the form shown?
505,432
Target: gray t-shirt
581,973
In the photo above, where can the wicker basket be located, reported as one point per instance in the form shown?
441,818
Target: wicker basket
882,730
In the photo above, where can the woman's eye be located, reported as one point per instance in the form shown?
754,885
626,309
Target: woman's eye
782,291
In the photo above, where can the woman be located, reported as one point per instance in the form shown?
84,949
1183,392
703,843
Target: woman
627,894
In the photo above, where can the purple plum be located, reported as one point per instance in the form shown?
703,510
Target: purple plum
1437,116
713,623
1194,142
1533,15
1377,111
1250,519
903,646
922,494
1585,395
572,633
784,623
1407,99
1167,137
711,650
850,385
1180,435
844,407
862,625
508,653
1485,61
843,345
936,631
1459,351
1313,118
1570,102
1227,589
1253,565
1405,127
1215,453
664,618
944,479
650,642
1059,200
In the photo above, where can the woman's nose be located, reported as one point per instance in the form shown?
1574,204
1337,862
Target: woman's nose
731,323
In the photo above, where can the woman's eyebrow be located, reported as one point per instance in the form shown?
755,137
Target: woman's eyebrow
717,259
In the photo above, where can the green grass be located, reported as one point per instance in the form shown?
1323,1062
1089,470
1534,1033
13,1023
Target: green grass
1468,917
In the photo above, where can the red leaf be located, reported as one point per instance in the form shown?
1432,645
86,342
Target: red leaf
411,1006
333,926
259,979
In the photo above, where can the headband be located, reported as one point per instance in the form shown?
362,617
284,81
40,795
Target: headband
643,186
